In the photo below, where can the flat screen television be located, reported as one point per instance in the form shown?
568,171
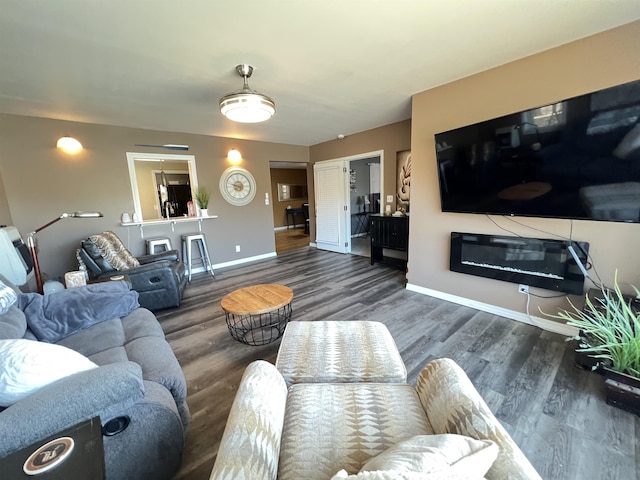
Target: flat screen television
578,158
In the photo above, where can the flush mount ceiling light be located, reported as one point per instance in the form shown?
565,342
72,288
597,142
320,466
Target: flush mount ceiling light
246,105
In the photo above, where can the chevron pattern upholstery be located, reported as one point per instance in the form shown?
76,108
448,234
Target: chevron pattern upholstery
333,426
339,351
315,430
453,405
114,251
250,443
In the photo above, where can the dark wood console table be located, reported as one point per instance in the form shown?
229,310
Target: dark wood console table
389,232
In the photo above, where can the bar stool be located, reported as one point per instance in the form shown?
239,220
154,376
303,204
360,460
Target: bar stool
154,242
187,258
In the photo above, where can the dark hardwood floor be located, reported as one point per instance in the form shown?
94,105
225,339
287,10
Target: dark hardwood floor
554,411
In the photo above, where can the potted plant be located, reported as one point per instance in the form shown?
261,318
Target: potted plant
202,199
609,333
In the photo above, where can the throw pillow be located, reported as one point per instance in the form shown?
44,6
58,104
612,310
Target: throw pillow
8,297
443,456
27,366
113,251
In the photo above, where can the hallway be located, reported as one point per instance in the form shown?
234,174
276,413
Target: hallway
291,239
295,239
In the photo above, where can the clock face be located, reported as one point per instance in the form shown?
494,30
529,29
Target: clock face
237,185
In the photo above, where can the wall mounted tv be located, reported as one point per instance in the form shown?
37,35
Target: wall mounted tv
578,158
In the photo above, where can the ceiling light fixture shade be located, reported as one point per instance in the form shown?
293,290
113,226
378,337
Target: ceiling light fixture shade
69,145
246,105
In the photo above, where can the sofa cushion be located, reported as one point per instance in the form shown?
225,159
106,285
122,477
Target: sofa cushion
339,351
27,366
138,338
60,314
444,456
113,333
332,426
8,297
13,324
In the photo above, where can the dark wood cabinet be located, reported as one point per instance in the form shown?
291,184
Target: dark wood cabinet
391,233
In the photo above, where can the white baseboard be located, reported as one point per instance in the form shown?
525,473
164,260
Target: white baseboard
297,225
540,322
235,262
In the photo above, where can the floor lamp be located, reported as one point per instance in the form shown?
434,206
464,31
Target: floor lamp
31,242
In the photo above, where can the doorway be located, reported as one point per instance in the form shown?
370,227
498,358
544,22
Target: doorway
290,205
347,191
364,197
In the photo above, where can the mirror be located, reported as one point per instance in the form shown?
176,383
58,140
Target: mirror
291,192
162,184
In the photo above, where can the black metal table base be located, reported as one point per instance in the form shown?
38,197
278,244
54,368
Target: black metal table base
260,328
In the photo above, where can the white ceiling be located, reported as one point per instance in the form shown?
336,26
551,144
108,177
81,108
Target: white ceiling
332,66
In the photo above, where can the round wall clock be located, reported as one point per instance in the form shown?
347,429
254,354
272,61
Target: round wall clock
237,185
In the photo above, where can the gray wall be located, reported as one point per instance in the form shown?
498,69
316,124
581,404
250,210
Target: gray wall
42,182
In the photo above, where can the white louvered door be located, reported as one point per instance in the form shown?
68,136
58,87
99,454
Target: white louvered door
332,209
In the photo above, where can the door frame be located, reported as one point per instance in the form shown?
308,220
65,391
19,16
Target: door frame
346,200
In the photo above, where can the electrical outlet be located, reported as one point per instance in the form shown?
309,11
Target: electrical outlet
523,289
237,248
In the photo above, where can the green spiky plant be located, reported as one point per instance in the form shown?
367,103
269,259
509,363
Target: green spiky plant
609,330
202,197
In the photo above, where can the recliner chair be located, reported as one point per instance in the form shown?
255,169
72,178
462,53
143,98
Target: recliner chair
159,278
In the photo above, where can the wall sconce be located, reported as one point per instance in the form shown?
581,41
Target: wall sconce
69,145
234,156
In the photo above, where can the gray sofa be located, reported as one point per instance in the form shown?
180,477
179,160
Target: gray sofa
138,380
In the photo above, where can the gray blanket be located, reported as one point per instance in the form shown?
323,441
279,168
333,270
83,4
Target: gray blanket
57,315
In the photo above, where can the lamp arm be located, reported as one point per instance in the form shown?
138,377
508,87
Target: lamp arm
64,215
33,250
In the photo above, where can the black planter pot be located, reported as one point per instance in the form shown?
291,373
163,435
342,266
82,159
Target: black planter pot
623,391
585,361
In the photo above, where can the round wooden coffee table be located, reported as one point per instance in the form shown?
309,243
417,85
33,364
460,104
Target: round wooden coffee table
258,314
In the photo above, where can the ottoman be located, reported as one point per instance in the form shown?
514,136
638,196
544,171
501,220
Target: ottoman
339,352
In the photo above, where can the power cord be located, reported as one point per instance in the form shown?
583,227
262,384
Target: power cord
590,262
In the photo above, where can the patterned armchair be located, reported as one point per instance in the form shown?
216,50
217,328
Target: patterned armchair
316,430
159,279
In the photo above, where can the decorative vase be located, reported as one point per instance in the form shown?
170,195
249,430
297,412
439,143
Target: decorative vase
125,218
204,212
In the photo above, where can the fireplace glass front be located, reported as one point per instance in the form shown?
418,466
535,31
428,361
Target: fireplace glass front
535,262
